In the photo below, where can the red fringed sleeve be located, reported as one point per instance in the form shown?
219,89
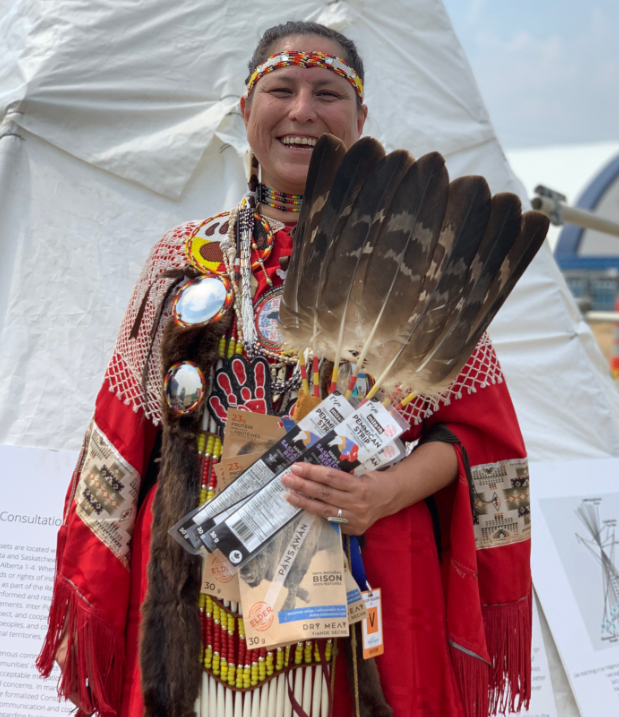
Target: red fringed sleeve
91,590
457,622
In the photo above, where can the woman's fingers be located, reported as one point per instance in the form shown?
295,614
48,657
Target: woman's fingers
324,510
319,491
328,476
323,491
311,505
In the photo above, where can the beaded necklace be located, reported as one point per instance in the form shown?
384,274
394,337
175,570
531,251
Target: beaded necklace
279,200
237,260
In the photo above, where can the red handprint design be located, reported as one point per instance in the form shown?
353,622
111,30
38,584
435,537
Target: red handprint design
241,384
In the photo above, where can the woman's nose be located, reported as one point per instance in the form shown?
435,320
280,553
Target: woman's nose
302,108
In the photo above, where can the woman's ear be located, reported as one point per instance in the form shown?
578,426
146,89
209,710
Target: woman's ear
362,115
245,109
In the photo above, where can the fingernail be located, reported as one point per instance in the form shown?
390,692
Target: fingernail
290,497
287,480
297,468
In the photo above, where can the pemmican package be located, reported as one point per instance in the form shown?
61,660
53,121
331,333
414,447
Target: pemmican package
295,588
230,468
369,430
329,413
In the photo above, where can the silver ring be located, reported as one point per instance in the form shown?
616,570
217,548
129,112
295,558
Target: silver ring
338,518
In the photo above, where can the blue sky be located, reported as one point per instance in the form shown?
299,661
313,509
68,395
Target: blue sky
548,70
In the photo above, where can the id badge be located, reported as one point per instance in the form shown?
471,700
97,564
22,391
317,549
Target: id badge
372,625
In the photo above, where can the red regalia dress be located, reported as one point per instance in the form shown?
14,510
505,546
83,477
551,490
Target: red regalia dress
457,625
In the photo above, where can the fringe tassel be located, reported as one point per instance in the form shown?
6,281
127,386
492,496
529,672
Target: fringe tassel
472,679
508,638
95,655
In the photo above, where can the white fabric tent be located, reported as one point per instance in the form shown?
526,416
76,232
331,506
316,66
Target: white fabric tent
120,120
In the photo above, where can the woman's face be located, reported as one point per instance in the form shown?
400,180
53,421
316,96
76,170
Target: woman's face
294,103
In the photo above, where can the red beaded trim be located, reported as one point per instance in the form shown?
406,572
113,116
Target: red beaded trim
227,658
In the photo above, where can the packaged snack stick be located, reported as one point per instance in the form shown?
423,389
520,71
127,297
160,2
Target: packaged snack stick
357,439
329,413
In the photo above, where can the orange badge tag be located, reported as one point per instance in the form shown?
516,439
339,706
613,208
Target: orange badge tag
372,625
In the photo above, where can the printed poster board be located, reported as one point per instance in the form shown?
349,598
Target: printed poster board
575,508
33,483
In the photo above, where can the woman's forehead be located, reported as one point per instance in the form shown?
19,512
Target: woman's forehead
307,43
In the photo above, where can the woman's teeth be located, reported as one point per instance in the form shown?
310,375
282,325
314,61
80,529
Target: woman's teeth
305,142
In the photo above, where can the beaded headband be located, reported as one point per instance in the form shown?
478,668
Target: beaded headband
307,60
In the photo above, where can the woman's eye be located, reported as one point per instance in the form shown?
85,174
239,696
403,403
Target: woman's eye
281,91
328,94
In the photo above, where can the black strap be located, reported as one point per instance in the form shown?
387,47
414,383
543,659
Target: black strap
440,433
152,471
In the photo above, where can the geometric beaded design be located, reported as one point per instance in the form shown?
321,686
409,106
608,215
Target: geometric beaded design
502,505
107,493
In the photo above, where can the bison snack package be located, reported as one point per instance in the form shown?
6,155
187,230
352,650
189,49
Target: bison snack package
295,588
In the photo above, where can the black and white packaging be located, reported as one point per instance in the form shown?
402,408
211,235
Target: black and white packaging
368,431
329,413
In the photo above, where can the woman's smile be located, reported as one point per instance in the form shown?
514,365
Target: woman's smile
303,143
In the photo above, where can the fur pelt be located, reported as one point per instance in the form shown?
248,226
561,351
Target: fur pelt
372,702
170,636
170,641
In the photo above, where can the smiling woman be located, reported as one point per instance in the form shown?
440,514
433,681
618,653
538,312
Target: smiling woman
288,109
133,627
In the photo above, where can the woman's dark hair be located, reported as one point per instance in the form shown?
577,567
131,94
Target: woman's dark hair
300,27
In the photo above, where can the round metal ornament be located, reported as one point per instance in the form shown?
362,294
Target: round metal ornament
203,300
183,387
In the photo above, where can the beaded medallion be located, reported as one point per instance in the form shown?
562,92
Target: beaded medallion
266,317
203,250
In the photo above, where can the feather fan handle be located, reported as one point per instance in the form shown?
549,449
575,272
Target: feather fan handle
325,160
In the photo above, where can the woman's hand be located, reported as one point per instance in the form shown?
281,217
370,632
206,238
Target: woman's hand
364,500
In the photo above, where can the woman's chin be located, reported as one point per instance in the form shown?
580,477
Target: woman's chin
290,177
